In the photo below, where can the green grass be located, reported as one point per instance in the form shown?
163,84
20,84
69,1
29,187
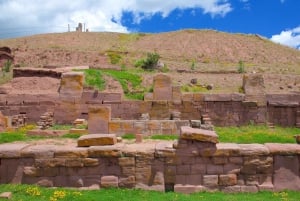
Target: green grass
71,135
128,136
256,134
164,137
126,78
61,127
35,193
94,79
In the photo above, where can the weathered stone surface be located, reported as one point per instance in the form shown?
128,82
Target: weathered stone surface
210,180
50,162
46,182
104,151
39,151
11,150
97,140
253,150
162,89
286,173
71,84
3,122
283,149
6,195
127,161
188,189
227,149
109,181
99,117
189,133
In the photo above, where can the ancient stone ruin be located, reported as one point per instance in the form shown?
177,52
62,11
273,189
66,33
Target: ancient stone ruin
196,162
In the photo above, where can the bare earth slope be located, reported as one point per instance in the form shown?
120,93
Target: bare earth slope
209,50
194,53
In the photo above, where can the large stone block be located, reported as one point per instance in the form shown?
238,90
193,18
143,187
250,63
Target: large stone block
286,173
99,117
96,140
228,180
162,87
109,181
71,84
189,133
3,122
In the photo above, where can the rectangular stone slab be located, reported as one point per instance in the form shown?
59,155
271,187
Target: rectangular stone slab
202,135
97,140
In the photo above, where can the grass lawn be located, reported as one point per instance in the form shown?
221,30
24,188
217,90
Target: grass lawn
32,193
257,134
242,135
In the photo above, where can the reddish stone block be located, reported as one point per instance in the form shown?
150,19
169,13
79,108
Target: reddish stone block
228,180
109,181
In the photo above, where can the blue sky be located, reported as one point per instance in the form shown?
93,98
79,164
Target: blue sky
278,20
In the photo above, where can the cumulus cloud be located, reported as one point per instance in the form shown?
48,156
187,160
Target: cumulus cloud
289,37
98,15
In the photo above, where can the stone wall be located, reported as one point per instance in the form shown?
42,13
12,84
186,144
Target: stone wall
73,101
223,109
147,127
197,162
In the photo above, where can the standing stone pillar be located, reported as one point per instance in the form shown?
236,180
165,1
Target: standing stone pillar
70,92
162,89
99,117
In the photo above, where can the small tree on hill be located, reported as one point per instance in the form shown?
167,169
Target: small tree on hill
150,63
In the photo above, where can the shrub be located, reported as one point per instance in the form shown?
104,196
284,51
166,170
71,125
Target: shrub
241,67
114,57
7,66
150,63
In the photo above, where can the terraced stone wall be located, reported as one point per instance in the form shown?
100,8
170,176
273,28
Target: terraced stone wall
196,162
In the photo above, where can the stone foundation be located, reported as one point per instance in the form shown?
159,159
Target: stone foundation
194,163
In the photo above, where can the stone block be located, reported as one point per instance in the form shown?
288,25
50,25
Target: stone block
189,133
194,179
98,119
231,189
109,181
214,169
97,140
162,89
126,161
114,127
198,169
188,189
127,182
71,84
104,151
210,180
286,173
249,189
6,195
283,149
227,180
11,150
253,150
219,160
88,162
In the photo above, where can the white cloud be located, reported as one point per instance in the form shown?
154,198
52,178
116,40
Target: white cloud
289,37
99,15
